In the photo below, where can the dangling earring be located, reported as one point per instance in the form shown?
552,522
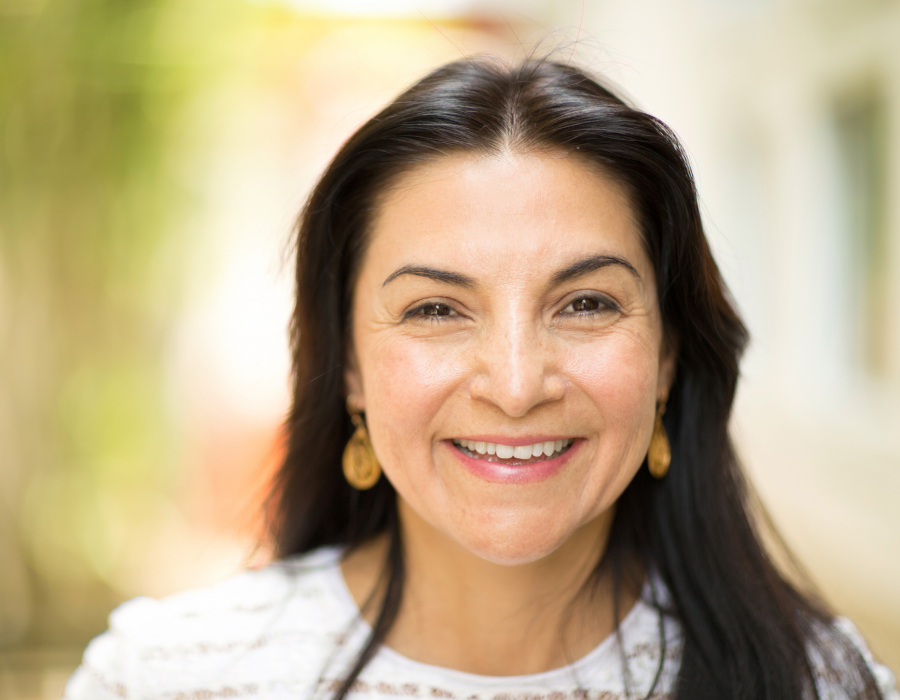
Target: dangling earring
659,456
361,467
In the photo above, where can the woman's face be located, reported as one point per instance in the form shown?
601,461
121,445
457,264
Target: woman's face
506,305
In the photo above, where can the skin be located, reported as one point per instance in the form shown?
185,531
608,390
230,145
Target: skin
505,348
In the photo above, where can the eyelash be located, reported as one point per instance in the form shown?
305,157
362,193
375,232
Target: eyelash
418,313
604,304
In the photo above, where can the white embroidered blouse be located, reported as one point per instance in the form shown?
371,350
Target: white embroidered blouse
292,630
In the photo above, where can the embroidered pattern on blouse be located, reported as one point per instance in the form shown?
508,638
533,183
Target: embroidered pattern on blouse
415,690
278,637
112,687
651,651
206,694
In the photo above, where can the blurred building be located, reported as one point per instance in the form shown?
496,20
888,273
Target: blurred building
790,111
153,156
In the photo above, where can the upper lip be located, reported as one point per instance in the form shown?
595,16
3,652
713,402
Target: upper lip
515,441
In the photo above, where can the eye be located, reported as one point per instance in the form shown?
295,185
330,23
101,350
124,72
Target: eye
433,311
588,305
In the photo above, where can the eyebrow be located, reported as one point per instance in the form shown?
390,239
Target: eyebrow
588,265
573,271
444,276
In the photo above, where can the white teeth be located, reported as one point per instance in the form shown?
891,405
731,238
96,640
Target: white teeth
519,452
505,451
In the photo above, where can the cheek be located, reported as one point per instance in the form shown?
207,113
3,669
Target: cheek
618,377
616,373
407,385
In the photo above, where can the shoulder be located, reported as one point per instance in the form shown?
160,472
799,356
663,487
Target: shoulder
837,658
210,640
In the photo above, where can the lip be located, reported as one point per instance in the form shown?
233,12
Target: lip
513,474
514,442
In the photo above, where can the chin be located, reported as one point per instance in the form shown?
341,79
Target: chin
515,548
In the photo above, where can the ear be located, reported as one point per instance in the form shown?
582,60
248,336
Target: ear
668,361
353,380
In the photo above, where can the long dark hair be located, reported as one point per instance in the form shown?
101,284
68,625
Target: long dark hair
748,633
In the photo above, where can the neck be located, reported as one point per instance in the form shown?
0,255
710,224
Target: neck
463,612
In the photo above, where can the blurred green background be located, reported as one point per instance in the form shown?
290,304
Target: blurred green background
93,97
153,154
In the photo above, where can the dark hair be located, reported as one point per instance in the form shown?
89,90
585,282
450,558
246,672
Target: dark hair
748,633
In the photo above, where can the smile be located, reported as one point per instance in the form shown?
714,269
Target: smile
513,455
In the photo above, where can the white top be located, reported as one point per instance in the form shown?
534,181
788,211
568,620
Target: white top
291,629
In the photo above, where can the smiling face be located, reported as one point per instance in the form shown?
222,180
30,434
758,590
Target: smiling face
506,305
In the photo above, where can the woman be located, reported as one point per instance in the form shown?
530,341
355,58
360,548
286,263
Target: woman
506,303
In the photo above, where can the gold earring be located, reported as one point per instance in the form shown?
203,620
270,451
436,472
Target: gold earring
361,467
659,456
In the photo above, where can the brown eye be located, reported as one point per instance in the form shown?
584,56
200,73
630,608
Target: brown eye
435,310
589,305
580,305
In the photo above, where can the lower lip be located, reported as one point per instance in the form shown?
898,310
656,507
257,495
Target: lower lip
498,473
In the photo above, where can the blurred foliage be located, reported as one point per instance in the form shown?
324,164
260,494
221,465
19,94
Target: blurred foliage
115,117
92,101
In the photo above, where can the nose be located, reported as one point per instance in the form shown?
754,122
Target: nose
515,369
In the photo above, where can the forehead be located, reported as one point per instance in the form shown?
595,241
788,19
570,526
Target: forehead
500,213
